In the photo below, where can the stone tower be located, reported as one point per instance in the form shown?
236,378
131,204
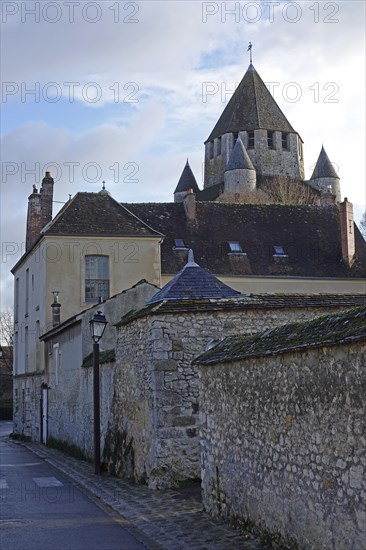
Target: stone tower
324,177
186,182
239,176
273,146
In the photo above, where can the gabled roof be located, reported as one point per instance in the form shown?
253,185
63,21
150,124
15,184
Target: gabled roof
340,328
187,180
310,236
99,214
239,158
193,283
324,168
251,107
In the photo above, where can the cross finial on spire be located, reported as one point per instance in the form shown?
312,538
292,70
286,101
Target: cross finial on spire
250,51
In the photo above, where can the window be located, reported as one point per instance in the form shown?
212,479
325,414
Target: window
251,141
235,246
56,362
218,146
27,292
26,350
278,251
270,140
211,149
235,138
285,142
16,300
96,278
300,148
179,243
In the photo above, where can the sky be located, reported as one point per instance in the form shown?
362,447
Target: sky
126,91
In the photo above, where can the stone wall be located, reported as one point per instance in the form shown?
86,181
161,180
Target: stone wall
283,444
153,434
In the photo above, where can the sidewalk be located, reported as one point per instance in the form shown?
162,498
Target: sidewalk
171,519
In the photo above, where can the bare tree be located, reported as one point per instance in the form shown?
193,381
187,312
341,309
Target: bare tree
288,191
7,338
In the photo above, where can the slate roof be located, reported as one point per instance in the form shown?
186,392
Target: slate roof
247,302
239,158
310,236
345,327
187,180
193,283
324,168
90,214
251,107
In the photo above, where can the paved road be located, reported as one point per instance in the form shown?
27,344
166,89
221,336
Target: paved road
42,510
162,520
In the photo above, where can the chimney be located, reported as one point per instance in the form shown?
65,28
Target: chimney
189,203
347,231
34,218
56,307
39,210
47,197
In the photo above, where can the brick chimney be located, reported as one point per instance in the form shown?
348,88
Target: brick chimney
39,210
347,231
47,197
34,218
189,203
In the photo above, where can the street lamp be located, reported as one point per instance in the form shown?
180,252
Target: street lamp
97,327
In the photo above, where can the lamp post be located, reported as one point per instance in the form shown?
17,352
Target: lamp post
97,328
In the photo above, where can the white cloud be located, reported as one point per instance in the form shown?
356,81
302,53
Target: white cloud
170,53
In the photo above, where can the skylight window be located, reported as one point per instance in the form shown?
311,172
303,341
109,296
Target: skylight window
179,243
235,246
279,251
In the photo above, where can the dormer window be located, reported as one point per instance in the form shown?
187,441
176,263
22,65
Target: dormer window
235,247
179,243
279,251
270,139
285,141
251,141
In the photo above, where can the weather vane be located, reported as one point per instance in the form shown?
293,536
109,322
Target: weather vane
250,51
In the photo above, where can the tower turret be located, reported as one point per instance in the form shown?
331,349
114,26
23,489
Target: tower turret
186,181
325,178
239,176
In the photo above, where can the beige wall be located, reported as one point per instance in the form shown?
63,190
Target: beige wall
58,263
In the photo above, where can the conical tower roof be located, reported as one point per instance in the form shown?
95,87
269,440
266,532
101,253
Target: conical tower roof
187,180
324,168
193,283
239,158
250,108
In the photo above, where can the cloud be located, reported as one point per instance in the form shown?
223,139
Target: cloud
169,54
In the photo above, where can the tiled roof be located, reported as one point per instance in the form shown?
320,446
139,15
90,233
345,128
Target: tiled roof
331,329
251,107
309,235
97,214
187,180
193,283
324,168
248,302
